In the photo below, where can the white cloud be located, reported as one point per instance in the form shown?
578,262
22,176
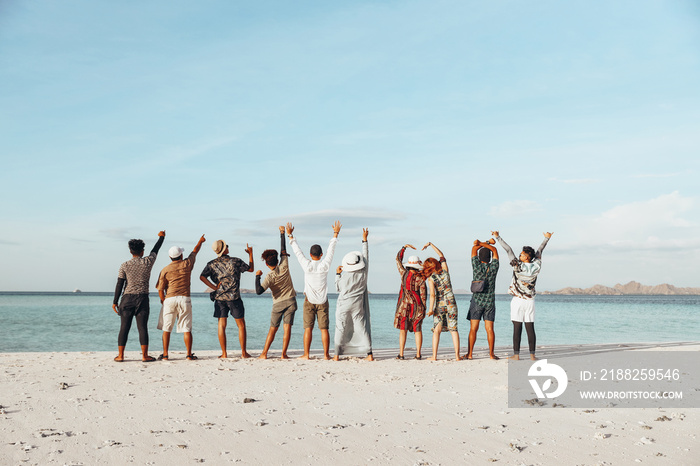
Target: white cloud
515,208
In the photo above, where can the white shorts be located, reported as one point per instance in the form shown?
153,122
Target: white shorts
522,310
176,308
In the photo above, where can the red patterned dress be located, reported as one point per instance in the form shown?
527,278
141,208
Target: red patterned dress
410,310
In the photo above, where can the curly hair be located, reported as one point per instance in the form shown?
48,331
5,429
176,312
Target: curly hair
270,257
529,251
136,246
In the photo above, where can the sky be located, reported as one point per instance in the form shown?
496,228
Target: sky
423,121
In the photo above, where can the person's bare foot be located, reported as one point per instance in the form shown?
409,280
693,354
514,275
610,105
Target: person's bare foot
515,357
327,357
118,359
223,356
245,355
494,357
467,356
263,356
304,356
431,359
532,356
369,357
336,358
284,356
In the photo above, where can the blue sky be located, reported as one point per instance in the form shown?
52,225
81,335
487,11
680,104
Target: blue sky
423,121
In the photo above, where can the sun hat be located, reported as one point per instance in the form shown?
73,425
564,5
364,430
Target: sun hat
414,263
175,252
353,261
219,247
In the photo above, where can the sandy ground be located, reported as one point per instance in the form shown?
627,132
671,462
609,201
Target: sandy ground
85,409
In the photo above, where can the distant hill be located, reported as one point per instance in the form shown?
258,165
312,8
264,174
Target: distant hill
631,288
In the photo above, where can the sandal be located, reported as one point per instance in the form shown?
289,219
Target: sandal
418,357
400,357
192,357
148,359
163,357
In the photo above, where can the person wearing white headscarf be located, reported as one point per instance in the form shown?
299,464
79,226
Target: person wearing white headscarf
353,334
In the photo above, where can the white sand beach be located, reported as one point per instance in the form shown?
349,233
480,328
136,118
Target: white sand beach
85,409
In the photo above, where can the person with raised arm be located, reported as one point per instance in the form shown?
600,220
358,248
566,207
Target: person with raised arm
483,303
353,333
132,279
173,286
225,273
410,308
315,288
442,305
526,268
284,301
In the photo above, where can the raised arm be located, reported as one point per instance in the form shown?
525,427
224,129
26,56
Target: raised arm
258,286
283,246
159,243
538,254
488,245
505,246
399,258
440,255
303,261
198,246
365,246
251,265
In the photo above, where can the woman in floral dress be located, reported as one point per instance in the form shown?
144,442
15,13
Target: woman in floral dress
410,309
442,305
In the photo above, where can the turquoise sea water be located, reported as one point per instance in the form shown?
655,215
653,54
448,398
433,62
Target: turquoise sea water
86,322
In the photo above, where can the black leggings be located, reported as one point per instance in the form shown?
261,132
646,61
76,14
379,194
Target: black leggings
141,324
517,333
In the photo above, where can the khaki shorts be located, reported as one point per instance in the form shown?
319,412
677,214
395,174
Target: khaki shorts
176,308
284,309
311,311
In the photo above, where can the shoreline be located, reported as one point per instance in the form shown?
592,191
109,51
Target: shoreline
84,408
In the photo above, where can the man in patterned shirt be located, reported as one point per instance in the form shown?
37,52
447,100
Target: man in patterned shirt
483,304
133,279
225,273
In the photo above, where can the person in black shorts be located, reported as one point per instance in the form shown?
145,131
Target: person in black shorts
483,304
133,279
225,273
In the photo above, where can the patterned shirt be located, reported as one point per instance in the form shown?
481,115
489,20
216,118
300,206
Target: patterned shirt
487,298
525,274
137,273
227,270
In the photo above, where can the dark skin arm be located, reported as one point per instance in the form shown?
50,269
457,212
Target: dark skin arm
249,250
199,245
488,245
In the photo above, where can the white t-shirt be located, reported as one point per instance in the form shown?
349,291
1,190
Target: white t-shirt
315,272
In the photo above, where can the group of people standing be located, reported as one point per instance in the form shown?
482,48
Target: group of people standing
426,289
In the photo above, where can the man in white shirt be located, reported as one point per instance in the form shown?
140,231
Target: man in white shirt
315,288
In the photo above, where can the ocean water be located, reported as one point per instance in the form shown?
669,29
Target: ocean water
86,322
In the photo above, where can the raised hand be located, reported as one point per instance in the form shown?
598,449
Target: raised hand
290,228
409,246
248,249
365,233
494,233
339,269
258,272
426,245
161,233
282,229
336,227
548,235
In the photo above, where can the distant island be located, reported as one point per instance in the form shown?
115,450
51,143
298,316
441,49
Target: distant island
632,288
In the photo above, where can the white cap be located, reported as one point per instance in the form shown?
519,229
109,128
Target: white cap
175,252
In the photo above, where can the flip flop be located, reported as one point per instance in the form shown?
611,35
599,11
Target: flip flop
192,357
418,357
400,357
150,359
118,360
162,357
